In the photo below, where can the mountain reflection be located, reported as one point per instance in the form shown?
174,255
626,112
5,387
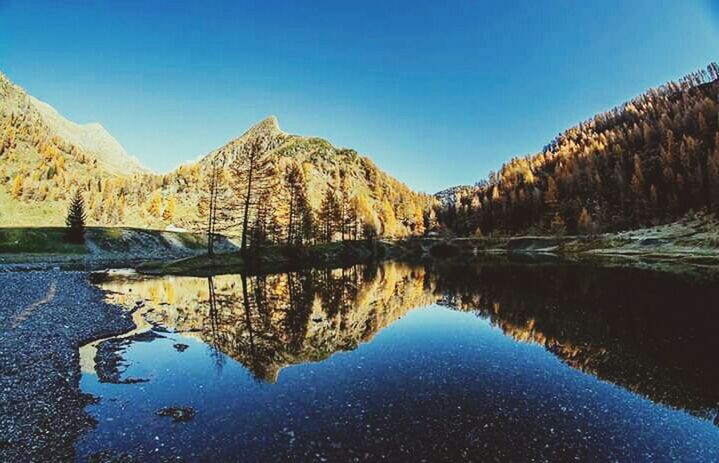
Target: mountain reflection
268,322
653,333
649,332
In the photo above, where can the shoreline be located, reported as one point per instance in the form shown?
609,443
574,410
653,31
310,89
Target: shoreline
47,317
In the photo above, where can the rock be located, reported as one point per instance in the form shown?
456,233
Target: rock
178,414
180,347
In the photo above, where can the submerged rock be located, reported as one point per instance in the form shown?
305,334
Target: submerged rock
178,414
179,347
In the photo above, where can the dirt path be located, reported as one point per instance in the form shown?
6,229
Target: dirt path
27,311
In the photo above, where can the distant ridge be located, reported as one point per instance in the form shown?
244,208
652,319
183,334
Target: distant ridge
92,137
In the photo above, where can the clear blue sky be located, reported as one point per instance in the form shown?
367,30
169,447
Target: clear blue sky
437,93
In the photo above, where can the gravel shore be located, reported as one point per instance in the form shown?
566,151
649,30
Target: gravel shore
44,318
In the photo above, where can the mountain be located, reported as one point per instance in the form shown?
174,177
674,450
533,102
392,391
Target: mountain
648,161
44,158
38,168
282,319
451,196
392,207
93,138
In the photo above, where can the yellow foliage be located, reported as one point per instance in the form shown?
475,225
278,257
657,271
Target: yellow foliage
155,206
169,212
17,187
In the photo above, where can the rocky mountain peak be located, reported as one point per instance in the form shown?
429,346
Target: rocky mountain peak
266,127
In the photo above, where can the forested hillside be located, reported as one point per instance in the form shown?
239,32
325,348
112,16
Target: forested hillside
305,189
645,162
44,159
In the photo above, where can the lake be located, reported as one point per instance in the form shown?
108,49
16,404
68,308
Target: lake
398,362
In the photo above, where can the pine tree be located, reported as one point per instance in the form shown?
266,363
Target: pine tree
345,214
388,218
352,219
296,203
214,207
551,196
75,220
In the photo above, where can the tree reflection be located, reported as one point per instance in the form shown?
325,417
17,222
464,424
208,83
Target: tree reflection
214,327
652,333
270,321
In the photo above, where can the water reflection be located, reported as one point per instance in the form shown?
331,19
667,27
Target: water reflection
649,332
443,363
653,333
268,322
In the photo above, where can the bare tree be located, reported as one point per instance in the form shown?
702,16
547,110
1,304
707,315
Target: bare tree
212,204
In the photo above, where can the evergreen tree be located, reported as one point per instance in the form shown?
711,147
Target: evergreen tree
75,220
298,207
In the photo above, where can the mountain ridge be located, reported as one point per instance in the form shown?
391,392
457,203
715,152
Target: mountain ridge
45,157
648,161
92,136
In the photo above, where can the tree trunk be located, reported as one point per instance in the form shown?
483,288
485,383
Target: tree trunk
211,216
246,217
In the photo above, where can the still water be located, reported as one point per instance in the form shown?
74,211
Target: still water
500,362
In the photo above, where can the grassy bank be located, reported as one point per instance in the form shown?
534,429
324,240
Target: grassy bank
53,240
40,247
692,241
689,244
41,240
276,258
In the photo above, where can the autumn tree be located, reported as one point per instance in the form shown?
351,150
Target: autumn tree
351,219
253,171
649,160
345,213
155,206
585,224
17,187
169,212
299,210
388,218
329,215
213,205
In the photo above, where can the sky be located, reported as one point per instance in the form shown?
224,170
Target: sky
436,93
